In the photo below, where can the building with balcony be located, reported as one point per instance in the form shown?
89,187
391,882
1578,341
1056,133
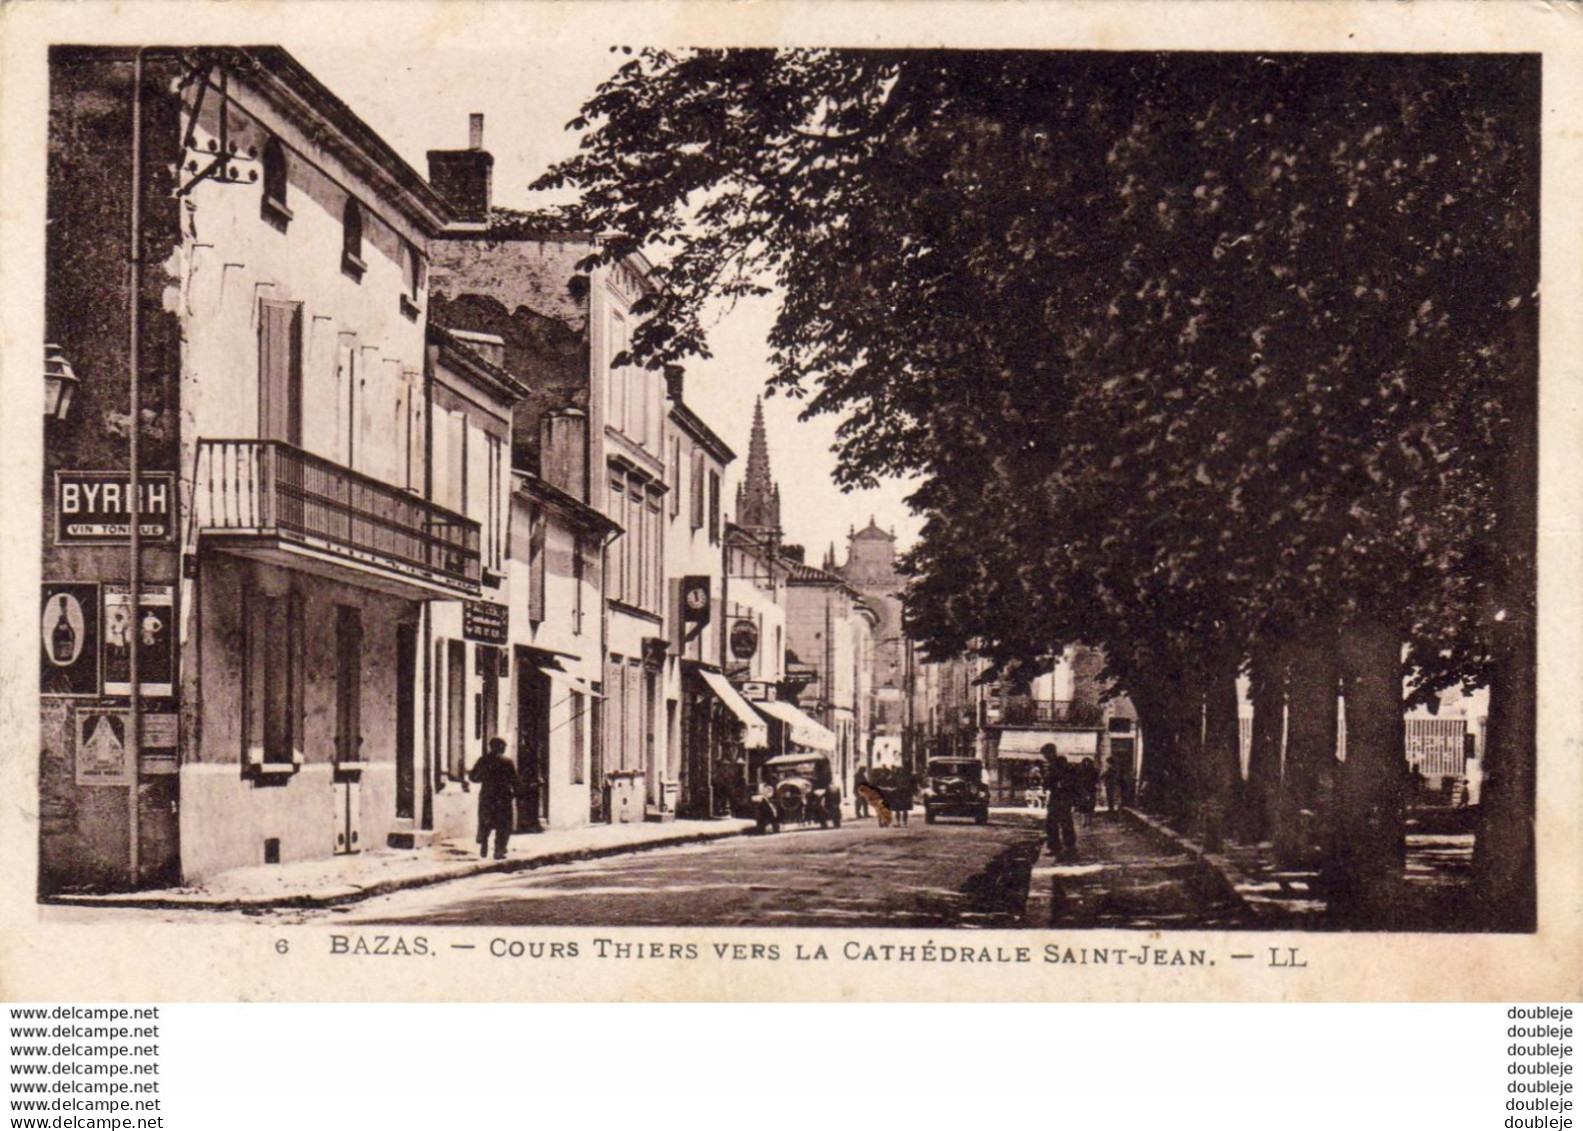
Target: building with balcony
254,388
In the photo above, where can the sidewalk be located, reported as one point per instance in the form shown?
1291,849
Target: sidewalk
346,879
1435,891
1129,873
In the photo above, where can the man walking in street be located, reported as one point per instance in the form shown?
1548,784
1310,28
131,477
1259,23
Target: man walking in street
496,779
1059,834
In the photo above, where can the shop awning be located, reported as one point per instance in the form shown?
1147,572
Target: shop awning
568,680
1025,745
755,735
803,730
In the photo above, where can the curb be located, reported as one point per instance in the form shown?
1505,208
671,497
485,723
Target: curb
336,896
1216,867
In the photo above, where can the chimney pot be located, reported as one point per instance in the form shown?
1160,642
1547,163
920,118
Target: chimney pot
475,131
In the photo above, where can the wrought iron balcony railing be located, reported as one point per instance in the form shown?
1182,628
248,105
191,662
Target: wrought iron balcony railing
1025,711
268,488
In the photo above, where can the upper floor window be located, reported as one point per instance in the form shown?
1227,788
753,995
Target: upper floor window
695,490
352,239
412,279
714,507
273,159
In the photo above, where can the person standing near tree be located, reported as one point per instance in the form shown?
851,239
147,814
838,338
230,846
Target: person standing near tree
1059,834
496,779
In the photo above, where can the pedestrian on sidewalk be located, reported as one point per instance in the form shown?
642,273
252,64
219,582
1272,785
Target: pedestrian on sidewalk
1059,834
859,802
1113,786
1087,790
496,779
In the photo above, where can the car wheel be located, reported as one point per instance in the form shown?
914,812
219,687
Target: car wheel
982,817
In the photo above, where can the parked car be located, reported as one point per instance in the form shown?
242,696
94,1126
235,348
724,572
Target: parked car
956,789
796,789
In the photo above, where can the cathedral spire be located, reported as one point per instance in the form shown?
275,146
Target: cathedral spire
758,498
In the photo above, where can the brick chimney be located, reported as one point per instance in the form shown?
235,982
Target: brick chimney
464,177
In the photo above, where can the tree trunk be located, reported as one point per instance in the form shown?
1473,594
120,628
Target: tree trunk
1268,691
1504,853
1366,868
1222,755
1310,659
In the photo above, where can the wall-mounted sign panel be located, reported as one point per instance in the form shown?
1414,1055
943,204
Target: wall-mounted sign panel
94,508
69,633
156,642
103,746
485,622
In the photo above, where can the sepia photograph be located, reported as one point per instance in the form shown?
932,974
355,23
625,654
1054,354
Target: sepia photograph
618,481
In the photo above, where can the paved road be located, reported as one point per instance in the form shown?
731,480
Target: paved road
944,875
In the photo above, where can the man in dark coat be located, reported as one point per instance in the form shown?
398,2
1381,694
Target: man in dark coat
1060,778
496,778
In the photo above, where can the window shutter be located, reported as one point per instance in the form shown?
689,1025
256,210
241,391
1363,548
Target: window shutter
536,565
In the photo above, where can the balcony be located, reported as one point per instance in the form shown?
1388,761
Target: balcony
268,500
1025,711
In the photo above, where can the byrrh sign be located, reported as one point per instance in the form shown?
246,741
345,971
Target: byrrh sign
95,506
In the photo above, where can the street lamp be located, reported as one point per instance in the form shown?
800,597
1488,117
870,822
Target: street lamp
60,383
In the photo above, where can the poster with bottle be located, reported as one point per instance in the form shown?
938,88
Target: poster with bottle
153,628
69,639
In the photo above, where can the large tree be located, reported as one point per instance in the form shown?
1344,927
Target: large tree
1196,355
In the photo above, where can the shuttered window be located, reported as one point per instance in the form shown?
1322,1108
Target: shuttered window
280,371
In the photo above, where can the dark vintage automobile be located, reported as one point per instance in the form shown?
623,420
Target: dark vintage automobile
797,788
956,789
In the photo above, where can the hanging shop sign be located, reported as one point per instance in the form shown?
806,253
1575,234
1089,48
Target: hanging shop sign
151,622
103,746
69,633
744,639
485,622
93,508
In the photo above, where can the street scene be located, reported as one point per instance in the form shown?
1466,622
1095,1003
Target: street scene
790,488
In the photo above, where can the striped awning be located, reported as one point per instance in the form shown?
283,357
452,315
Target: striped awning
755,735
803,730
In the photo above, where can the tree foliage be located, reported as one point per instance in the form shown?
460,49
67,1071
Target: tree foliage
1184,349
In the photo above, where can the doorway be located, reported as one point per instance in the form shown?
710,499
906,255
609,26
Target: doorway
348,725
533,743
406,719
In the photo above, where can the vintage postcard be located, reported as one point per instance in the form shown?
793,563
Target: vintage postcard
792,501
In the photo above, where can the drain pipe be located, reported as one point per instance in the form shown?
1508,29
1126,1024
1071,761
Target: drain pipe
134,472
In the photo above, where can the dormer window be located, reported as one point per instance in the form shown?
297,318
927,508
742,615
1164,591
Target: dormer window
352,240
274,203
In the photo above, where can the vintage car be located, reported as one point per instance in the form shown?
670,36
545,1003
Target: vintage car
797,788
956,788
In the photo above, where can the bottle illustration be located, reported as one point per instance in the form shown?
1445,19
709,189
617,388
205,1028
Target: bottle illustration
63,639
